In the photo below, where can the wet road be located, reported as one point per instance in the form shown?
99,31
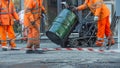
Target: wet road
58,59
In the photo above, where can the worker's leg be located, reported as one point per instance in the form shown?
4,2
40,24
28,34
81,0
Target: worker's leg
11,35
36,35
108,32
29,41
3,38
0,33
101,32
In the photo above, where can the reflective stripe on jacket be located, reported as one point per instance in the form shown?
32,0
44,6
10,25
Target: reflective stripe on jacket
7,13
32,11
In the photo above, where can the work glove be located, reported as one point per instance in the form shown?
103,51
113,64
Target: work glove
73,8
96,18
32,23
45,12
18,22
24,33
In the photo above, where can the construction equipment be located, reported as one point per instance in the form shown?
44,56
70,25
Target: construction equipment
65,23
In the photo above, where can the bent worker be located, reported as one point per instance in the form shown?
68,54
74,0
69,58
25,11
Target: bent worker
7,15
102,13
32,16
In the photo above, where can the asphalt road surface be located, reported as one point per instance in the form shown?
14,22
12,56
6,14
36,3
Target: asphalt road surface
59,59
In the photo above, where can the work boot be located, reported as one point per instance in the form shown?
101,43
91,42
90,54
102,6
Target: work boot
99,43
5,48
29,50
12,44
111,42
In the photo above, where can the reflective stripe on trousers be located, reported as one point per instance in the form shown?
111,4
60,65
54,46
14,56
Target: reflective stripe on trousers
35,39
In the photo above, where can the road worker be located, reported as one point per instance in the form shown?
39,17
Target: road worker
102,13
7,16
32,16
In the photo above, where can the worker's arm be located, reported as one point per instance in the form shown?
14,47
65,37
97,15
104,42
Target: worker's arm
83,6
28,10
14,14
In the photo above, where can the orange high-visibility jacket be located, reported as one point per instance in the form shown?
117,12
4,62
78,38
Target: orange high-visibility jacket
8,12
97,7
33,10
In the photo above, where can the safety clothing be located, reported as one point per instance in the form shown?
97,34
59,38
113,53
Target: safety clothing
97,7
104,28
32,15
0,33
101,12
33,23
8,13
7,16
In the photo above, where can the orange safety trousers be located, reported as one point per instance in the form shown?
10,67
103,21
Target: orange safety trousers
0,33
34,35
104,28
7,30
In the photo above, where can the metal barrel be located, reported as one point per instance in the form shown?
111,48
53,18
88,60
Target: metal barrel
61,26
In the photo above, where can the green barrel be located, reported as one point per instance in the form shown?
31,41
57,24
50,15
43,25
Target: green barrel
61,26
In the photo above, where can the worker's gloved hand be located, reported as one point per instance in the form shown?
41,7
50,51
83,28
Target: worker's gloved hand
96,18
24,33
18,22
45,12
32,23
73,8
